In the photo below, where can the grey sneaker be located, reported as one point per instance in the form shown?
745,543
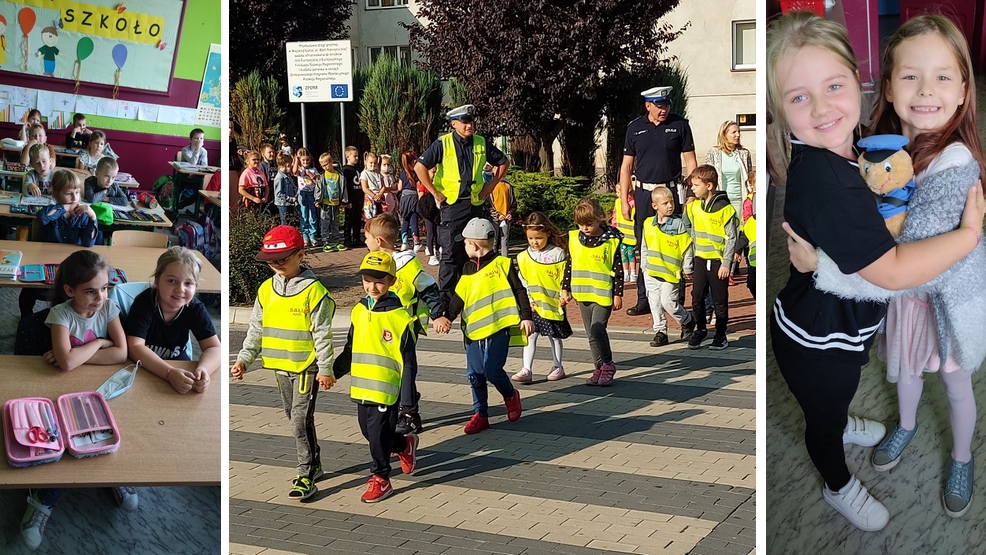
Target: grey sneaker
33,523
126,498
888,453
957,496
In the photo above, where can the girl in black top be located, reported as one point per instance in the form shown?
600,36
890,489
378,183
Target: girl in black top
820,341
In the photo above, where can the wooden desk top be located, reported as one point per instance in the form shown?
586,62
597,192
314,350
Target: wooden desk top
59,151
6,213
6,173
178,167
166,439
212,197
137,262
84,174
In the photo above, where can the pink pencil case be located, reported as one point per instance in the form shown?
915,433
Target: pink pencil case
26,422
88,424
37,431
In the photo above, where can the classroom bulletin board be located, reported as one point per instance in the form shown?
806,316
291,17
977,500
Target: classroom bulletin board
129,43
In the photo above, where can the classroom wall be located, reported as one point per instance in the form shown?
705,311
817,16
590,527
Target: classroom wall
145,148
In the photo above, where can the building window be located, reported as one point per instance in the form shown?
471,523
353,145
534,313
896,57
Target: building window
401,53
374,4
744,45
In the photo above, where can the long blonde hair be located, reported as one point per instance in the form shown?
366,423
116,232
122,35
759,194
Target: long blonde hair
721,143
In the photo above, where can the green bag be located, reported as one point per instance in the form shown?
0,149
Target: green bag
104,212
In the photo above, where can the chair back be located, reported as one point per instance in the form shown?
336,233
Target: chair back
124,294
129,238
33,336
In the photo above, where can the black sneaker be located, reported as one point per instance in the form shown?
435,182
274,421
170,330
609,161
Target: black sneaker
687,330
718,343
697,338
638,310
409,423
660,339
302,488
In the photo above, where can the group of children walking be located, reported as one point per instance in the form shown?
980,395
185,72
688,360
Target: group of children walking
501,304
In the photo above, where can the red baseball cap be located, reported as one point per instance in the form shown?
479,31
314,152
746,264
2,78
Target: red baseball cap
279,243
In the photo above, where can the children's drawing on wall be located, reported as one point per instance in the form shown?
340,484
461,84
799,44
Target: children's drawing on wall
145,34
49,36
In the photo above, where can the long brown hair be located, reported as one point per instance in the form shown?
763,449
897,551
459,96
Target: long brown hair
962,127
408,158
538,221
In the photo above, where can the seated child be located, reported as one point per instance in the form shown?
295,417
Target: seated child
376,387
67,221
161,317
78,134
35,135
194,153
293,302
37,181
101,188
32,118
85,329
98,148
488,325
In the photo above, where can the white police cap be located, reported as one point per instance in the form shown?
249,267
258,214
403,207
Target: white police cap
657,94
466,112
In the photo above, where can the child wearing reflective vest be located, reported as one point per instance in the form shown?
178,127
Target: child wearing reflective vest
419,294
541,267
748,240
594,279
629,245
291,330
713,222
496,314
666,253
379,349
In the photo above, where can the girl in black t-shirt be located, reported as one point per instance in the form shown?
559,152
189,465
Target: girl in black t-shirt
161,317
821,341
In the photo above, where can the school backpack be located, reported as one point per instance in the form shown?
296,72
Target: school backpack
164,189
198,236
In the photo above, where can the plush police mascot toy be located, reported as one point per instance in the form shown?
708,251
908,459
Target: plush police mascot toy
888,172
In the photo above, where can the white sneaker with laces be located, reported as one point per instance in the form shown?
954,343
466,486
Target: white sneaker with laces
33,523
126,497
427,251
433,261
858,506
863,432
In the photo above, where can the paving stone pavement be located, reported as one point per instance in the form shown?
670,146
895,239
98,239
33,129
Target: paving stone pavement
661,462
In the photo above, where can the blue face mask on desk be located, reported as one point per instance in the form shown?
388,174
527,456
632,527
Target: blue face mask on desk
119,382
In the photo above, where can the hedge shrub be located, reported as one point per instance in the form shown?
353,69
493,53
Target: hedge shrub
555,196
247,231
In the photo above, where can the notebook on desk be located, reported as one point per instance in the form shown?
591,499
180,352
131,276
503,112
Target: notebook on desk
10,262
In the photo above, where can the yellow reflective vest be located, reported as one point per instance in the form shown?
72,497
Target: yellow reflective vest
625,226
377,360
447,179
405,290
750,229
710,229
489,304
665,253
287,343
543,285
592,270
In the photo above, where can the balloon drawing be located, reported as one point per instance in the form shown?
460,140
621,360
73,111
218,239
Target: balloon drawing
26,18
82,51
119,58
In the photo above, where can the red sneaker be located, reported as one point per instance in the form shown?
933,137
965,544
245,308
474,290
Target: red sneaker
377,490
407,455
477,424
513,406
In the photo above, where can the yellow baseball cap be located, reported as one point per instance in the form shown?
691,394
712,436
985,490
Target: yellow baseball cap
378,264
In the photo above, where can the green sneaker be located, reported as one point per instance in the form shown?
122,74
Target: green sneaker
318,472
341,247
303,488
329,248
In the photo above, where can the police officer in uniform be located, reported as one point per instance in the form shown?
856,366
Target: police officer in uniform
652,151
458,159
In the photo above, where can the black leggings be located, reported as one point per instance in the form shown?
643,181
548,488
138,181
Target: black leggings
824,384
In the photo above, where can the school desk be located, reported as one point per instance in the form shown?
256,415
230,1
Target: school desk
67,156
211,197
187,174
126,181
13,219
166,439
137,262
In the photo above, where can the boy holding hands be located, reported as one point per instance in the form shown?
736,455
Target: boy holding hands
418,293
496,313
713,222
379,349
291,329
666,251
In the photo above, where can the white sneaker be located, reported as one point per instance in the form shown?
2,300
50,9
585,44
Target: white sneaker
418,247
858,506
433,261
126,497
633,277
863,432
427,251
33,523
626,276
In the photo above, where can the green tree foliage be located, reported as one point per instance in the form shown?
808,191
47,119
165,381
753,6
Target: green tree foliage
254,107
400,106
535,68
247,231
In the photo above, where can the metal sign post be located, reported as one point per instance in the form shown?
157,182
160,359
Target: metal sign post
320,71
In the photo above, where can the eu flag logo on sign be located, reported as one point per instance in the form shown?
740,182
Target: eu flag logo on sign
340,91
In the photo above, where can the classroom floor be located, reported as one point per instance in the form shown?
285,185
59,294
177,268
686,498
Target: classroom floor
168,521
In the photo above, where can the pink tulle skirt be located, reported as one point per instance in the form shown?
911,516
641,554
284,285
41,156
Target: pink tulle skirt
909,344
